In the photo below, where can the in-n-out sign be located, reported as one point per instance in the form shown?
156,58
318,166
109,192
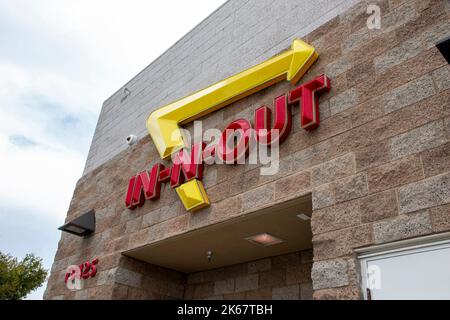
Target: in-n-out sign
186,173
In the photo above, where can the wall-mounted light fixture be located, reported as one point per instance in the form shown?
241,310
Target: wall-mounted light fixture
444,47
81,226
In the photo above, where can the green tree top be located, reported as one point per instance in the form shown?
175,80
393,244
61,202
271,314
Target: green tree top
18,278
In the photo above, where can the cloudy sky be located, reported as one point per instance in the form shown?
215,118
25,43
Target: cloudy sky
59,60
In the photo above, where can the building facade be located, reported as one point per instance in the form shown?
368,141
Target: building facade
370,184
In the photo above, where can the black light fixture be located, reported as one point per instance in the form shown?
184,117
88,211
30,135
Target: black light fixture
444,47
81,226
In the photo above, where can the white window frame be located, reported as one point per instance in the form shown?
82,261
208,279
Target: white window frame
398,248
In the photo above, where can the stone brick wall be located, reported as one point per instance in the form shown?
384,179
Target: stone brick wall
377,167
235,37
286,277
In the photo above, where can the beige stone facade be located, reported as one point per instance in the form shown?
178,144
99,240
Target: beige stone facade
378,170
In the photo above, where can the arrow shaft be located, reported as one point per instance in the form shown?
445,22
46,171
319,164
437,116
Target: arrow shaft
163,124
237,86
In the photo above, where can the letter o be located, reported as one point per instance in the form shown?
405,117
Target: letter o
234,141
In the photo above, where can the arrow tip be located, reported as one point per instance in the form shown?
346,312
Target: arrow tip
303,56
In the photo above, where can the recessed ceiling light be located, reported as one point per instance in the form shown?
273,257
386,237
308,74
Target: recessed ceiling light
264,239
303,217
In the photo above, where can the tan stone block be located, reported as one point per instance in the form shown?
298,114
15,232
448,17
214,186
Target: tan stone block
177,225
258,197
306,291
392,124
219,192
401,74
360,72
379,206
339,87
195,278
259,265
118,230
441,76
394,174
286,260
236,270
437,160
330,127
422,138
314,154
330,274
138,239
133,225
359,19
366,111
339,216
434,34
432,15
247,282
424,194
286,293
372,156
335,35
226,171
234,296
296,184
338,67
328,54
332,170
409,93
341,242
447,126
226,209
323,196
323,29
81,295
296,141
343,101
139,294
400,53
209,176
237,185
307,256
351,188
223,286
374,47
440,218
203,290
213,275
169,228
422,5
355,40
106,292
274,278
343,293
189,292
402,227
260,294
299,274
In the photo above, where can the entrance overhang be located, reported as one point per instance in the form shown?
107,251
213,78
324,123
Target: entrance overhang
227,243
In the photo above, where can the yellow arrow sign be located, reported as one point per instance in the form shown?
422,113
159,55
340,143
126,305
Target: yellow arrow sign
163,123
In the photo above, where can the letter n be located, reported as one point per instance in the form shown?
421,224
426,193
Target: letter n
187,166
144,185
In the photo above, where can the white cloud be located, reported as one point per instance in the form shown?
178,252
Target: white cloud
59,60
71,55
38,178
